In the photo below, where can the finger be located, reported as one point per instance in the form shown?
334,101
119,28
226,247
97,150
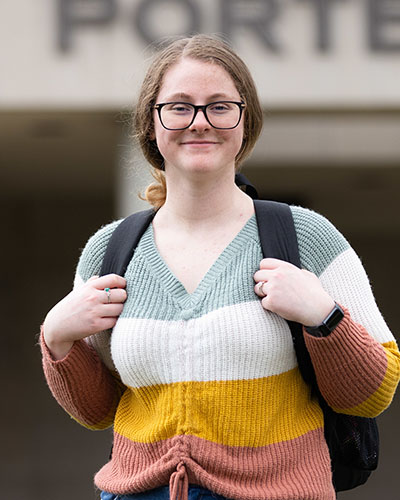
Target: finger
265,303
112,295
110,281
262,275
271,263
111,310
106,323
260,289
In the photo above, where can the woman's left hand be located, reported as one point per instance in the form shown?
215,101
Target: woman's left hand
293,293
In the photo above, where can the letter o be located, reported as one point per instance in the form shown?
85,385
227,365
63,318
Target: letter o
142,18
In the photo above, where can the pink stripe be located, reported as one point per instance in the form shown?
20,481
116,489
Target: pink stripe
296,469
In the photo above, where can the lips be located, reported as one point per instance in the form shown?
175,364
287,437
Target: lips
198,143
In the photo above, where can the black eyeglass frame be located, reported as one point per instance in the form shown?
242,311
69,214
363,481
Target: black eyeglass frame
203,107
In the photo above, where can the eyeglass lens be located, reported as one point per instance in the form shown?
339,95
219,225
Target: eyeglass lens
179,115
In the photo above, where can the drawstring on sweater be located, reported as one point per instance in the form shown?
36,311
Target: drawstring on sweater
179,483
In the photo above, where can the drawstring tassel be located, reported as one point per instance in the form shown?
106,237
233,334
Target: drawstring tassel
179,483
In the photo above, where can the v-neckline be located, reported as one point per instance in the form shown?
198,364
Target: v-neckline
175,288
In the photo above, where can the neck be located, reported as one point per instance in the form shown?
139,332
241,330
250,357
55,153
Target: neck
204,201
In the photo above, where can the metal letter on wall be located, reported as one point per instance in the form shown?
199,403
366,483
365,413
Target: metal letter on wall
143,19
381,14
257,15
72,13
323,25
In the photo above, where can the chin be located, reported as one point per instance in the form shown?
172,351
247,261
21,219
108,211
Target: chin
209,164
204,167
201,165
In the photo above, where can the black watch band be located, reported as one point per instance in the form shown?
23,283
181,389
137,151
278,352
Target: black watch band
329,323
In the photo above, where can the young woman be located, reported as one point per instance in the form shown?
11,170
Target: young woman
199,376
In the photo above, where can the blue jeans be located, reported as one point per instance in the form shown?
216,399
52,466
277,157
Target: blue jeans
162,493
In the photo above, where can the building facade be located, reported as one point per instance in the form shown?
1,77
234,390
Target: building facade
328,75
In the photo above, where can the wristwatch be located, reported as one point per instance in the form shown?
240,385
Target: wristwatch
329,323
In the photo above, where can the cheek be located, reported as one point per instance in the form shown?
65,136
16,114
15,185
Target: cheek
158,134
165,141
155,125
237,140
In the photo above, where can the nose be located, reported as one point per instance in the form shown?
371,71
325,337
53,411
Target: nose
200,122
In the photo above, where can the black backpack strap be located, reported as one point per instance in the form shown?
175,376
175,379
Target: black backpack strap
123,242
277,232
278,239
242,181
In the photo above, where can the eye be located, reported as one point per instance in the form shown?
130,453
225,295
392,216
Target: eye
179,108
220,107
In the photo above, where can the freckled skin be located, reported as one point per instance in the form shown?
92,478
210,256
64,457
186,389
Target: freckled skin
201,147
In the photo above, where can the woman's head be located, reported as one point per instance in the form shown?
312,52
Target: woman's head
208,49
204,48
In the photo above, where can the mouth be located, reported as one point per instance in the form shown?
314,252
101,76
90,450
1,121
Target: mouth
198,143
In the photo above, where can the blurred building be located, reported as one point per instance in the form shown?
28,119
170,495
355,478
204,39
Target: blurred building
328,74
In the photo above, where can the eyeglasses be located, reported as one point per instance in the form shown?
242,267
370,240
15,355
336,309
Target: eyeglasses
222,115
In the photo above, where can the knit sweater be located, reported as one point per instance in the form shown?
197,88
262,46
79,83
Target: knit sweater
204,388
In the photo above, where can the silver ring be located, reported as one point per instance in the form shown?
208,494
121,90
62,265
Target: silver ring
108,292
260,290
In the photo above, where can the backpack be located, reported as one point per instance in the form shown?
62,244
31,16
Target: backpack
353,442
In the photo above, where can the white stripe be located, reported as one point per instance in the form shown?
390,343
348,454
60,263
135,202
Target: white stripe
347,282
237,342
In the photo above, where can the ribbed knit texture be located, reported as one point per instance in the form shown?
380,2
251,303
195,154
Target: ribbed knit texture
213,393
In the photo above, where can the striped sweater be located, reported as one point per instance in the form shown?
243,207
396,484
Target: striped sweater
204,388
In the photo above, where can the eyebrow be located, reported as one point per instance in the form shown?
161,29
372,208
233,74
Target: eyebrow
183,95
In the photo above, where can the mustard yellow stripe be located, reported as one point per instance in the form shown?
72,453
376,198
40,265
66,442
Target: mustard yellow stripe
253,413
383,396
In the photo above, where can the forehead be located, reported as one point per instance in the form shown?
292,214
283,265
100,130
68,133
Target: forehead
197,79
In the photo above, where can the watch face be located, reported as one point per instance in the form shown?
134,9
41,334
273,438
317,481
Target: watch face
329,323
334,318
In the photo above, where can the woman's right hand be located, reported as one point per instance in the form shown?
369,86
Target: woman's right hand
83,312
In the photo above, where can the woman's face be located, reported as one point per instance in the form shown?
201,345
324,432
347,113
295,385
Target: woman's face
200,147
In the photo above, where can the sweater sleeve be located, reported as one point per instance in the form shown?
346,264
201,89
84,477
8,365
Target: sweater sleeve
82,385
358,364
85,382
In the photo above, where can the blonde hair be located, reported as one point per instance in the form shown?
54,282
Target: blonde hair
205,48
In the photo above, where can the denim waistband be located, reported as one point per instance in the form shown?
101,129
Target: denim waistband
162,493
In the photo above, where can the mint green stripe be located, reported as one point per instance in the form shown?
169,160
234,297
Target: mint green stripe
154,292
319,241
92,256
